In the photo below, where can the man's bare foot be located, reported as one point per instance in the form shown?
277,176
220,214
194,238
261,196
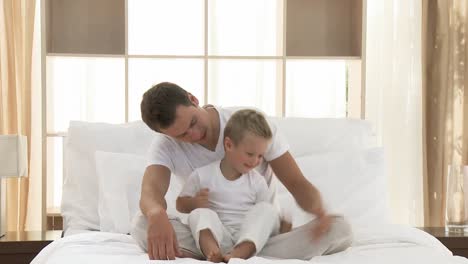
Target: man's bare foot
243,251
285,226
214,256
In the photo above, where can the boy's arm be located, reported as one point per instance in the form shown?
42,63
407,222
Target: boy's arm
184,204
192,196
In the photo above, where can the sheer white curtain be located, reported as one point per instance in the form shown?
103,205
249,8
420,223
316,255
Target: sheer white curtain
34,210
393,100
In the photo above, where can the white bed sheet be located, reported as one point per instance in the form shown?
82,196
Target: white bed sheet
389,244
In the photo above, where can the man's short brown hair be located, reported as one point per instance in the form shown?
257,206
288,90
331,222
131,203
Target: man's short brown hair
247,120
159,103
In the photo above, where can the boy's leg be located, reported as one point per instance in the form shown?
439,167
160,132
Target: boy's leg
207,231
185,239
259,224
298,243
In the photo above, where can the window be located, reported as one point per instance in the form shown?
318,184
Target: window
229,81
145,72
226,53
316,88
81,89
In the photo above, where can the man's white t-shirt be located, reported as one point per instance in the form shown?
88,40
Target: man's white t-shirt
231,200
182,158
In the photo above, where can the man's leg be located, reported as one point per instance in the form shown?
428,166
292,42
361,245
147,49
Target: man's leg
298,243
183,233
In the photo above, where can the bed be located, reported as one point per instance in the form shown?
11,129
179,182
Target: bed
104,164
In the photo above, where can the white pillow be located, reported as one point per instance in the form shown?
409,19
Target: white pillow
120,176
352,183
80,184
318,135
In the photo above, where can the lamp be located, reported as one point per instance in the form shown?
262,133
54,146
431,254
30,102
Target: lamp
13,163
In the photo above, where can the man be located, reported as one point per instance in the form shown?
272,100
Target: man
191,139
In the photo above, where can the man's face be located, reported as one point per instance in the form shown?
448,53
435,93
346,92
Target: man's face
190,125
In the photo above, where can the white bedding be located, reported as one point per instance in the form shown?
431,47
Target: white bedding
387,244
330,142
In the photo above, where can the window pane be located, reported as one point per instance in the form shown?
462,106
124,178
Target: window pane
89,89
315,88
354,84
245,27
54,171
144,73
250,83
161,27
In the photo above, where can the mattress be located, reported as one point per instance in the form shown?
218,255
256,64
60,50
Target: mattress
385,244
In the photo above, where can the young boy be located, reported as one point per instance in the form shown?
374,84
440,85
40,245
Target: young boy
230,214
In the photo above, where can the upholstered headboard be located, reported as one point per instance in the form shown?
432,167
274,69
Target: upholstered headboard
306,137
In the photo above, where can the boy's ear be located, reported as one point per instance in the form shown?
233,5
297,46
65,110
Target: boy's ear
228,143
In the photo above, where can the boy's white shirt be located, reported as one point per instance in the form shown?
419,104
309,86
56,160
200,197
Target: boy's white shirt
231,200
183,158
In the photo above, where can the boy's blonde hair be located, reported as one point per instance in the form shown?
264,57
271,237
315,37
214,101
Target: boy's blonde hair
247,120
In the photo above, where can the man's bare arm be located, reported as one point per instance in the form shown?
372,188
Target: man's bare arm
162,240
154,187
305,194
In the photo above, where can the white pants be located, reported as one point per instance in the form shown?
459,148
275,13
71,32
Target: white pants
259,224
296,244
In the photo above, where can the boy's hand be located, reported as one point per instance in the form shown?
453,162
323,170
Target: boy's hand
201,199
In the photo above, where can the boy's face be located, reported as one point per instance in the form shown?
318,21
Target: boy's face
190,125
247,154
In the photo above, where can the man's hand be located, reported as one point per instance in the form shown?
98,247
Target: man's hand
162,241
200,200
306,195
322,227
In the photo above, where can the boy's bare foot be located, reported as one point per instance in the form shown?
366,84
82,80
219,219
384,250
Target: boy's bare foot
209,246
227,257
214,256
243,251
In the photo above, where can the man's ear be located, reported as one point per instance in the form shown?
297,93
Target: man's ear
193,99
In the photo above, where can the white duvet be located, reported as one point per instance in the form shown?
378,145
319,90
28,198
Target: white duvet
387,244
